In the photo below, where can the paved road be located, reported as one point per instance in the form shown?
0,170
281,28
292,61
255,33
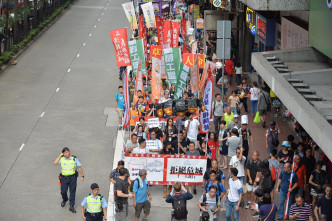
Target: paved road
74,116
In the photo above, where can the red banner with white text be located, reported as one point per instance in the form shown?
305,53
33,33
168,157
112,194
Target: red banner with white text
175,34
167,39
160,29
120,42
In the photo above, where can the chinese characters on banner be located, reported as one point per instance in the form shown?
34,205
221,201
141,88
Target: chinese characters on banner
175,34
163,68
194,77
148,12
200,23
188,59
120,42
160,29
140,53
181,81
126,109
167,39
165,169
201,60
156,51
184,35
130,13
133,55
207,101
204,76
139,77
170,65
140,26
156,78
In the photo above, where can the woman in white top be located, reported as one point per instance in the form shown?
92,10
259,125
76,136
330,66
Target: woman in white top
238,72
254,91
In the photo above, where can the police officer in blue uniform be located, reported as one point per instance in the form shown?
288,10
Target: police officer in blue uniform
68,177
96,206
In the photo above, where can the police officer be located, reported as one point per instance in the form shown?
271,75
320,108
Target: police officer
96,205
69,164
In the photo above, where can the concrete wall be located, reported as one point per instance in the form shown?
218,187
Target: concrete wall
277,5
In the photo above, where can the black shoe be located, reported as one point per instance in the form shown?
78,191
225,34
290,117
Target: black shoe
63,203
72,209
195,192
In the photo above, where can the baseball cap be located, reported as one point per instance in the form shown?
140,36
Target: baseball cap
65,149
236,116
285,144
273,123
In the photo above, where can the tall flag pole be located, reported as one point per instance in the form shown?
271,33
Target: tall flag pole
290,186
126,109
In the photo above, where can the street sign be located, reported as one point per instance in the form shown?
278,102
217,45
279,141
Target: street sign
227,51
217,3
220,29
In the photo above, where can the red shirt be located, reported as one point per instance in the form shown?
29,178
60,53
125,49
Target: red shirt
214,147
300,175
229,67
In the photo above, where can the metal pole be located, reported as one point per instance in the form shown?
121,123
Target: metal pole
223,61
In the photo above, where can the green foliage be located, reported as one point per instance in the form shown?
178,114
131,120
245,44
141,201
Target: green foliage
7,55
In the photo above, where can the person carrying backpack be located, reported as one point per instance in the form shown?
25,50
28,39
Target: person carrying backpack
178,197
214,182
209,205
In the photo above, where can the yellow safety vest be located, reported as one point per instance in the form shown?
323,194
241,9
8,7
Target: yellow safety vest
228,118
68,166
94,205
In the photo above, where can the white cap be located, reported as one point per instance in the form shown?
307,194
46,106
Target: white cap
244,119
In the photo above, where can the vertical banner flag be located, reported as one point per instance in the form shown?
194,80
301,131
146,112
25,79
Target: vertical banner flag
177,60
170,65
194,47
126,109
290,186
175,34
181,81
163,68
148,12
184,35
130,13
140,52
167,39
207,100
204,77
188,59
139,77
133,55
120,42
140,26
194,77
156,78
160,30
145,44
156,51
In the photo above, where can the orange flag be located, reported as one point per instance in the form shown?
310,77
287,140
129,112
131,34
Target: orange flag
194,77
156,78
201,60
156,51
188,59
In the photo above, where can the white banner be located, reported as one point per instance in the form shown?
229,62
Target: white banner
149,16
186,170
130,13
153,122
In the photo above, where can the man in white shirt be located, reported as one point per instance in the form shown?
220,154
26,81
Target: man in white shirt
238,162
141,148
159,145
234,196
132,143
191,126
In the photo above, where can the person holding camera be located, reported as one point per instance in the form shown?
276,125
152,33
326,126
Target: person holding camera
96,206
68,177
122,195
209,205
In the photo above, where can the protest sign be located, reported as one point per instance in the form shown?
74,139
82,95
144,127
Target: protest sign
200,23
140,26
201,60
148,12
188,59
141,55
139,77
133,55
152,145
181,81
130,13
167,38
120,42
156,51
153,122
160,30
188,170
163,68
207,101
196,12
156,78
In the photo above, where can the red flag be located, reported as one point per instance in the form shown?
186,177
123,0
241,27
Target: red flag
140,26
167,39
139,77
188,59
120,42
175,34
184,35
156,51
194,77
160,29
201,60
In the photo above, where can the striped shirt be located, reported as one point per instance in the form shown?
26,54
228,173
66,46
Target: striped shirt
305,211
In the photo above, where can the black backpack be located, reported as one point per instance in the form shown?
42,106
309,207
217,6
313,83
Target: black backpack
180,208
132,185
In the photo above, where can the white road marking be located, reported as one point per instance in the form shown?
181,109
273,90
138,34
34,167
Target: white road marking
57,90
102,13
84,44
42,115
21,147
95,26
98,19
78,55
69,70
90,35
